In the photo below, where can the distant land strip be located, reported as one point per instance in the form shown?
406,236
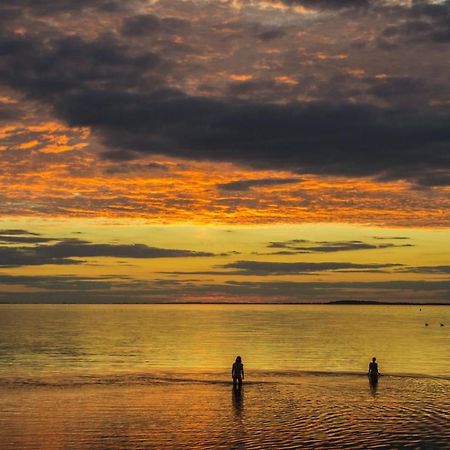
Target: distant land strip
336,302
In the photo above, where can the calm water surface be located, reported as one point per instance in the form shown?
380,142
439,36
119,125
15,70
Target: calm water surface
157,376
53,339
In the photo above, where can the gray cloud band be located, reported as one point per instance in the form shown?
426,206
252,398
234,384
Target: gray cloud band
62,253
61,289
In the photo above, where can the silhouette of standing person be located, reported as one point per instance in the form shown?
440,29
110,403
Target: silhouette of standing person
237,373
373,371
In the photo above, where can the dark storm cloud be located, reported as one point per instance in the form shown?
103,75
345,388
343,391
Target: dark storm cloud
19,236
137,168
390,238
260,268
68,288
433,179
395,88
269,35
354,140
246,185
267,89
65,282
417,22
84,249
329,4
298,246
424,21
24,239
417,10
327,287
69,65
28,256
444,270
150,24
17,232
158,166
141,25
44,8
8,113
10,14
119,89
287,268
62,252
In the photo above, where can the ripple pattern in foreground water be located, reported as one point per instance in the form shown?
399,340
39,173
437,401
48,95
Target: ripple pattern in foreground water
275,412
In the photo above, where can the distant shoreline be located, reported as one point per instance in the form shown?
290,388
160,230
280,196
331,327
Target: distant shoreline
337,302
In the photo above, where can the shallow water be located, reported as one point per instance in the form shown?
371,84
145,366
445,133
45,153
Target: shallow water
282,412
157,376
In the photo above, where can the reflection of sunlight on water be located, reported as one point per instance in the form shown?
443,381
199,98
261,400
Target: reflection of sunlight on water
138,338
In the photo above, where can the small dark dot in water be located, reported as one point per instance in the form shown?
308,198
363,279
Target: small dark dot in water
426,324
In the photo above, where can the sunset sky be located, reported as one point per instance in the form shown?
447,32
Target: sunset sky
226,150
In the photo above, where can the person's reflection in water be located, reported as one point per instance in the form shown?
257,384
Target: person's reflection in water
238,401
239,434
373,386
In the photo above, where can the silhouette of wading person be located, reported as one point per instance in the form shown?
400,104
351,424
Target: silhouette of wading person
237,373
373,371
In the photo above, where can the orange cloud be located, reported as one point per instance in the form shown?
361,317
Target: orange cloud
242,77
29,144
285,79
78,183
357,73
324,57
57,173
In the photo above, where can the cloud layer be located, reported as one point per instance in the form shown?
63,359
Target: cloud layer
132,82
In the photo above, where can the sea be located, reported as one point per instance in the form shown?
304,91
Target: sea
159,376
